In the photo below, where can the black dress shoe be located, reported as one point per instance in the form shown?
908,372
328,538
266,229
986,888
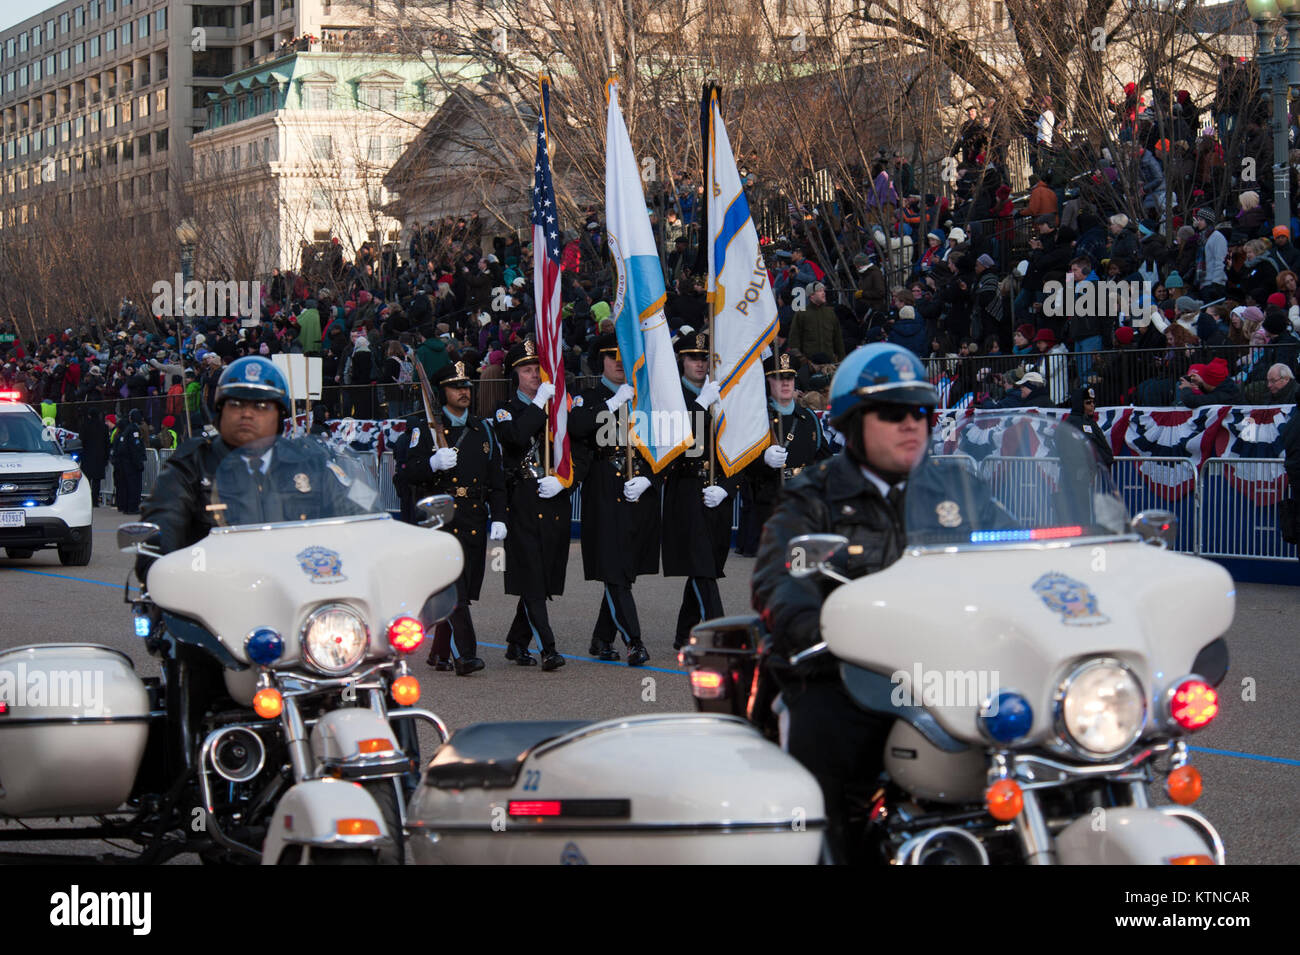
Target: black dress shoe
521,656
467,665
637,654
604,651
678,644
551,660
441,664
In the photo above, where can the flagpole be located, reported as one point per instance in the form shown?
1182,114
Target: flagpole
712,296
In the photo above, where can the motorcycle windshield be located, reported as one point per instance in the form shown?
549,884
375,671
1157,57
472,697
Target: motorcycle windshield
998,479
289,480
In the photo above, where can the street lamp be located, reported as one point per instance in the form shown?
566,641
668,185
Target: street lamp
1279,71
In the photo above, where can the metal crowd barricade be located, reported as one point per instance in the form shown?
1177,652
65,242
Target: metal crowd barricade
1024,486
1239,509
388,500
151,466
1170,484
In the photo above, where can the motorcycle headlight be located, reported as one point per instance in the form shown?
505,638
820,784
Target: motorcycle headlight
1100,709
334,638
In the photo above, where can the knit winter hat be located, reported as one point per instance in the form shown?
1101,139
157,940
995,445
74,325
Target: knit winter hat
1278,299
1213,374
1046,335
1124,335
1186,303
907,313
1174,281
1119,220
1027,331
985,260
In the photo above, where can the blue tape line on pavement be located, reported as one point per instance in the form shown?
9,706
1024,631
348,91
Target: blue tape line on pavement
1256,756
80,580
608,663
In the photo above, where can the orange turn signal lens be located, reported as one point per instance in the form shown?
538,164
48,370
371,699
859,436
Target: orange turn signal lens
267,703
406,691
1184,785
357,827
1004,800
379,745
1190,860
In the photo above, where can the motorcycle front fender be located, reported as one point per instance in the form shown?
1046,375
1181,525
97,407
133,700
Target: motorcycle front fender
337,738
319,813
1132,836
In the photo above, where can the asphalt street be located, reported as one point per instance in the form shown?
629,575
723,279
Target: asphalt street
1249,757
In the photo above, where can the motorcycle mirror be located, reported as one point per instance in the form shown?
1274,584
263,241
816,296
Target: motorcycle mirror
807,554
437,509
1156,527
130,536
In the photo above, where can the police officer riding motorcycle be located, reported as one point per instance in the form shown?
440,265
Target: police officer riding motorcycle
881,401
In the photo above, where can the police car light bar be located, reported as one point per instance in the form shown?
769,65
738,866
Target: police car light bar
11,396
1038,534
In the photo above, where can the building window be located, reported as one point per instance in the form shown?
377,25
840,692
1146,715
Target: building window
160,20
144,146
322,147
142,107
142,27
36,37
9,48
94,47
79,17
36,71
94,121
266,8
22,42
63,24
160,101
63,59
316,96
126,34
320,199
110,5
49,65
128,150
79,53
160,141
110,41
22,76
126,112
94,9
79,127
65,131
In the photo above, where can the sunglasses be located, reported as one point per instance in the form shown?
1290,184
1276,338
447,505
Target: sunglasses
894,414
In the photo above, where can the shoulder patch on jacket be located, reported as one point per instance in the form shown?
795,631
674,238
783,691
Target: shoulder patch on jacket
577,401
504,415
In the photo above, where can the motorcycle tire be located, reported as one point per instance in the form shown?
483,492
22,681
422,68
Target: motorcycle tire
384,793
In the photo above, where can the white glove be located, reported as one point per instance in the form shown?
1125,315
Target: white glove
444,459
709,393
714,495
621,397
635,487
549,486
775,455
497,532
545,392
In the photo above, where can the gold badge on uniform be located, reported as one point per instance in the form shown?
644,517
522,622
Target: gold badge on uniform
529,350
785,363
486,448
302,483
460,369
949,513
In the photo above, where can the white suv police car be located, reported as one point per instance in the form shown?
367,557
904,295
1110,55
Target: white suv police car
44,497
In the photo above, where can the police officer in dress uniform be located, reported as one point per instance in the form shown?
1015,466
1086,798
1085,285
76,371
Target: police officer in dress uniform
798,439
620,510
696,525
537,547
469,469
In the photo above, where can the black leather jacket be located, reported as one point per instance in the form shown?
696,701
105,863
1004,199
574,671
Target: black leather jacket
830,497
181,494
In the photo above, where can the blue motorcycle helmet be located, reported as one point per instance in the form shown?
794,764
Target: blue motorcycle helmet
253,378
879,373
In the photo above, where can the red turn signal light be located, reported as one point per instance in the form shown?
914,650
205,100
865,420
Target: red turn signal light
1004,800
540,807
1184,785
405,634
1194,704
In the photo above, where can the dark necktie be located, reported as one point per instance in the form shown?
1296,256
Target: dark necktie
895,499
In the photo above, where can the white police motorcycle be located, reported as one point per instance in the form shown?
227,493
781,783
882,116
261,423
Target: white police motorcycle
283,638
1044,663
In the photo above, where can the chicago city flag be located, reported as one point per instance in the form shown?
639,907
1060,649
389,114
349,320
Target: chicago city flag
742,304
659,419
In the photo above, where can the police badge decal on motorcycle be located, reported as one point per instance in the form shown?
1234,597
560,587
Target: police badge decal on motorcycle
1073,600
322,565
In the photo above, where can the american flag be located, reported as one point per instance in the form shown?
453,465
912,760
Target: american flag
546,293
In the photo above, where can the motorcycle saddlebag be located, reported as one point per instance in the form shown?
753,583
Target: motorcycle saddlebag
722,657
73,727
658,789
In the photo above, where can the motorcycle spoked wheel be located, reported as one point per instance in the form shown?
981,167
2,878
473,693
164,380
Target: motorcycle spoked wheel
384,793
